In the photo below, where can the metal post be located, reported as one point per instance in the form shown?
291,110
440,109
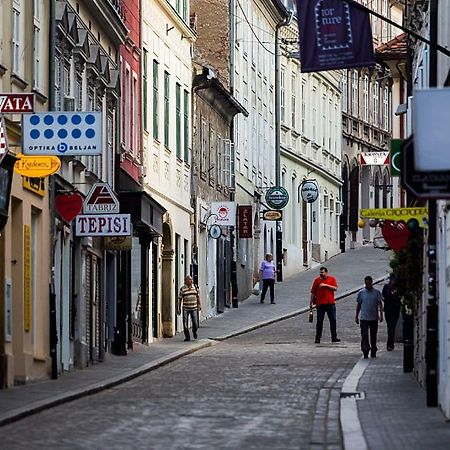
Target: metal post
431,348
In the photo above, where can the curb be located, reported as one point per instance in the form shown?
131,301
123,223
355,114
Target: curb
76,394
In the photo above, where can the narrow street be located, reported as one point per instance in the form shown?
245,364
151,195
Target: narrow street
272,388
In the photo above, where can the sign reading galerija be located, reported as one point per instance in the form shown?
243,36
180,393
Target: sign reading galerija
16,103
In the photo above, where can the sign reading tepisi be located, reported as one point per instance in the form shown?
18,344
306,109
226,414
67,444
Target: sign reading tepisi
103,225
62,133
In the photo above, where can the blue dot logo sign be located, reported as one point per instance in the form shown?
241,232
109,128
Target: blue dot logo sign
62,133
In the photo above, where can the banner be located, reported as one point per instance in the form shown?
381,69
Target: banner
334,34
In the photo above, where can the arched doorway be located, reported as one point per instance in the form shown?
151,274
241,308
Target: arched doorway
168,295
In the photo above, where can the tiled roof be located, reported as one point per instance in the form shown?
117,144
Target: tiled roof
394,49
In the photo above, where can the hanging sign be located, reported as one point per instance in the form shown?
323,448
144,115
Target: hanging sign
68,205
396,157
277,197
215,231
224,212
103,225
62,133
101,200
16,103
3,139
272,214
309,191
374,158
245,215
36,166
118,243
334,34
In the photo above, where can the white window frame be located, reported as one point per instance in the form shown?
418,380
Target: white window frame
366,97
293,99
282,95
355,93
386,115
37,44
16,66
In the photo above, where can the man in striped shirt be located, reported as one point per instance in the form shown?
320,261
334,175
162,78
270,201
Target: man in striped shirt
189,302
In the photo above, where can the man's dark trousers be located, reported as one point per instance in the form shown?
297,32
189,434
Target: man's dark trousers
366,326
331,313
391,316
194,318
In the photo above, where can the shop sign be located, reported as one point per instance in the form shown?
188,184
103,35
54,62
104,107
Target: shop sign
103,225
215,231
374,158
101,200
36,185
62,133
277,197
245,222
37,166
309,191
397,214
118,243
16,103
224,213
396,157
272,214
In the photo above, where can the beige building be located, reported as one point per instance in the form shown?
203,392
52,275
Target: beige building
166,41
24,242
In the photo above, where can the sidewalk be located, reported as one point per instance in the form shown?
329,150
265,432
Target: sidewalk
292,299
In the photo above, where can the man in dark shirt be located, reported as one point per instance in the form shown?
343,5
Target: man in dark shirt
322,294
369,304
392,306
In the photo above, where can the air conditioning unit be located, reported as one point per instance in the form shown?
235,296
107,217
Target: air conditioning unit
69,103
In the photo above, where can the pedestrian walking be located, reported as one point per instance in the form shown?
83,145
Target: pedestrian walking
322,295
267,275
392,307
369,310
189,305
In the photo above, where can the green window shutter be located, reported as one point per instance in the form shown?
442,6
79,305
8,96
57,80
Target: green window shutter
145,87
166,108
178,118
186,126
155,99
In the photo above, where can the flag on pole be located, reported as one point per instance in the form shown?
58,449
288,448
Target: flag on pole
3,139
334,34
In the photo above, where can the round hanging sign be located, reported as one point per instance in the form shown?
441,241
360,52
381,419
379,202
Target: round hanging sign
277,197
309,190
215,231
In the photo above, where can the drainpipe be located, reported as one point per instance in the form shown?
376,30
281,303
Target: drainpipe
279,231
52,194
233,244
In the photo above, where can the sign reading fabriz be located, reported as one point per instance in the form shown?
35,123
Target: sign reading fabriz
101,200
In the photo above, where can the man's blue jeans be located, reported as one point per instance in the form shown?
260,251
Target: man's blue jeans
331,313
194,318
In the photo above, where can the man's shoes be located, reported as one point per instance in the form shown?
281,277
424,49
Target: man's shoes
317,341
373,354
261,301
272,303
366,355
187,339
335,340
389,348
195,335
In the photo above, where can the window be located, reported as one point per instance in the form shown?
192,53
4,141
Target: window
314,125
386,115
293,99
37,45
178,119
282,96
186,126
366,98
344,91
385,13
303,107
144,89
57,84
135,127
203,139
155,100
166,108
376,103
78,94
16,38
128,111
110,147
355,99
185,10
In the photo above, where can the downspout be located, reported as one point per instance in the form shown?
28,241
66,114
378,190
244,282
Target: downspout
233,268
52,194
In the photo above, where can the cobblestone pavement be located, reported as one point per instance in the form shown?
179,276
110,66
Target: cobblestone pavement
272,388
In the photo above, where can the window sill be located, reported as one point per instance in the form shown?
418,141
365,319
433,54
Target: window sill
18,81
41,98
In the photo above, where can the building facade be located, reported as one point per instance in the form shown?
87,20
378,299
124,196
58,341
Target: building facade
25,266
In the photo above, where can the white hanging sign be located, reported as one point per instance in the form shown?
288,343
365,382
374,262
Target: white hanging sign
224,213
309,190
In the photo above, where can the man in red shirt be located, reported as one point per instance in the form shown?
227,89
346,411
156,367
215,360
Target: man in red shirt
322,294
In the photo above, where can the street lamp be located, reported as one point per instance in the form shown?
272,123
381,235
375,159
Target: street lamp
6,176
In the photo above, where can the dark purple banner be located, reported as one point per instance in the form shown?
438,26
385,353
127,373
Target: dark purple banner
334,34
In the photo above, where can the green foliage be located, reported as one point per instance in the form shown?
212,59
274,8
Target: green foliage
407,271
